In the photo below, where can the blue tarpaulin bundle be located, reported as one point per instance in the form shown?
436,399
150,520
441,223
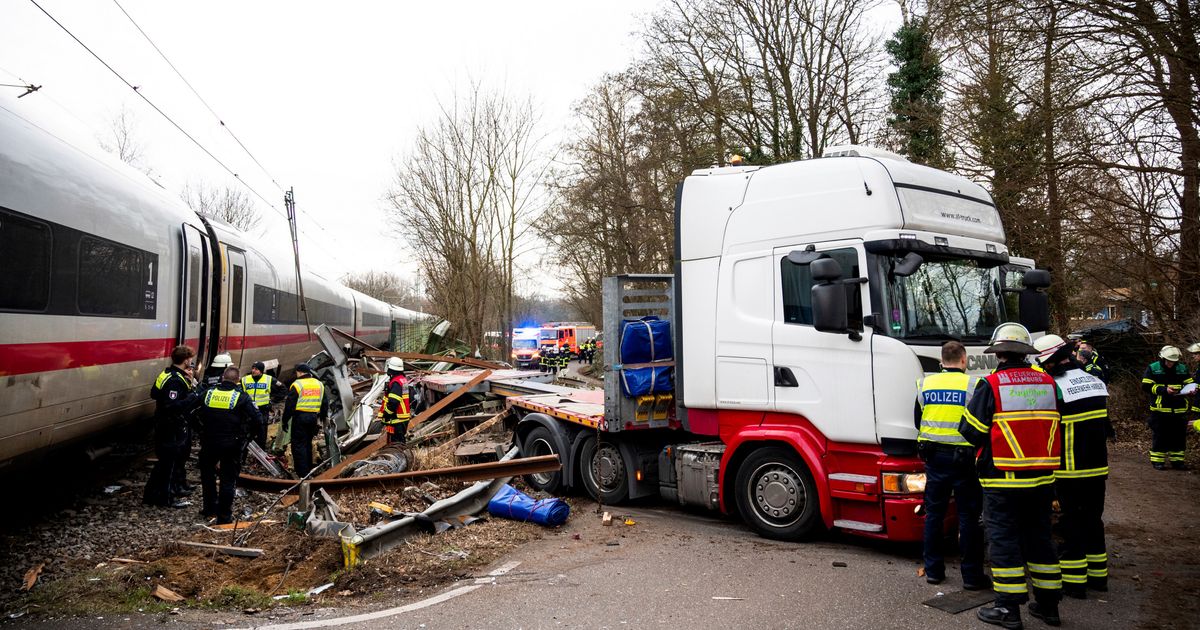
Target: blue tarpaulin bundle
512,503
647,380
646,340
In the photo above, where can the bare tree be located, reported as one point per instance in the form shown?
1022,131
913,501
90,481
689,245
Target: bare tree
121,139
388,287
224,203
462,198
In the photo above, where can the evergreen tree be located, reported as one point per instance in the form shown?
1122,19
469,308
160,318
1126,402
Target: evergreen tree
916,90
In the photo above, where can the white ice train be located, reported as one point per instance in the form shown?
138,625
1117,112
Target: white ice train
102,273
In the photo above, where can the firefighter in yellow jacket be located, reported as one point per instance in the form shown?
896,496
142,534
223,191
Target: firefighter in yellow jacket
1013,419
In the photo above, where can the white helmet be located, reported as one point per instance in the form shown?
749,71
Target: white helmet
1047,346
1170,353
222,361
395,364
1011,337
1194,348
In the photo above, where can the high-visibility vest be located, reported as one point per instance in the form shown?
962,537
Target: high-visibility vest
221,398
309,392
398,402
259,391
943,398
165,376
1024,431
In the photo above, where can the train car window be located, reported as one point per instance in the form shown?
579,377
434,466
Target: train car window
115,280
25,248
236,288
193,284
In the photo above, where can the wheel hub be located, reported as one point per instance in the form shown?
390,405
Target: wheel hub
539,448
778,494
607,468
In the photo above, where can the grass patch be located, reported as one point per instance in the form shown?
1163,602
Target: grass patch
103,592
235,596
295,596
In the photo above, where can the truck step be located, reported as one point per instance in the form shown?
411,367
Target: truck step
858,525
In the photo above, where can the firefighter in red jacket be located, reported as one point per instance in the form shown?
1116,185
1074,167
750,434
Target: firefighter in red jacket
1080,480
1013,419
395,410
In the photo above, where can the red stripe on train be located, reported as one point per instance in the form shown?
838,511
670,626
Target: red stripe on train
27,358
24,358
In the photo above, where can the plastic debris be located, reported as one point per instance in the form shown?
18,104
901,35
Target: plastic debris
514,504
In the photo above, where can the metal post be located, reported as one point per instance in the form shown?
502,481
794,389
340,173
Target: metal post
289,202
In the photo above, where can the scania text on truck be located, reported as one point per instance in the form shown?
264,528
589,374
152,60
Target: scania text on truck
808,299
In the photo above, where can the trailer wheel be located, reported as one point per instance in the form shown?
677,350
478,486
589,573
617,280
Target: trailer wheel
776,495
541,442
603,471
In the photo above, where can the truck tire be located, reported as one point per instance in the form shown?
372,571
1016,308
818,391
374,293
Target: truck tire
541,442
604,472
776,495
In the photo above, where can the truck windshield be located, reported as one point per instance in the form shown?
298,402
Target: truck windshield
943,299
524,344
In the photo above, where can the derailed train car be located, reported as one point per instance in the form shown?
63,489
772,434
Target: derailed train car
102,273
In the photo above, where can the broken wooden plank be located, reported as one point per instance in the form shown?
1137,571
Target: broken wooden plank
479,428
31,576
239,525
417,356
128,561
381,441
242,552
166,594
469,472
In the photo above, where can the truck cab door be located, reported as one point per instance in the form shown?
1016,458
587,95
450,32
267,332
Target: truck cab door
824,377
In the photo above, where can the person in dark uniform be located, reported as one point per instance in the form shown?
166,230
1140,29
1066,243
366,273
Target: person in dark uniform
227,419
1080,480
1164,382
1013,419
303,411
263,389
170,392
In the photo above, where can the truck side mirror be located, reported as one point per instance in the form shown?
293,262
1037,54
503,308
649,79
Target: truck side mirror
908,265
828,296
1036,279
1033,304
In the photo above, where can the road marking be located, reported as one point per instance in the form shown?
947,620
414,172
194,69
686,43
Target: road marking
391,612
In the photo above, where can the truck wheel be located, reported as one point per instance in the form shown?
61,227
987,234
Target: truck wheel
540,442
776,495
603,471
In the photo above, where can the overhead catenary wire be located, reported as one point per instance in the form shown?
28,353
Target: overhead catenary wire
220,120
177,126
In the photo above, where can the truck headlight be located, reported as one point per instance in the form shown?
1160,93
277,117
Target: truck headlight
903,483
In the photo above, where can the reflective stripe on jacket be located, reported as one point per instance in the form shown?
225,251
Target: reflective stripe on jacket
1025,426
1157,379
1084,424
395,405
309,392
943,398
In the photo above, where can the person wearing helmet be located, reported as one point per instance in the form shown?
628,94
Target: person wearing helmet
1089,358
1013,420
263,389
304,409
395,410
169,392
1194,350
949,468
1163,382
212,376
1080,480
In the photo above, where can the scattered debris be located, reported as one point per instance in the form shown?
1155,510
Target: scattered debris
606,519
840,564
112,489
127,561
31,576
512,503
920,571
166,594
730,599
224,527
243,552
320,589
630,522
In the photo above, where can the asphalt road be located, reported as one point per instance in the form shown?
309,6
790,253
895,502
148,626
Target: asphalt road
684,570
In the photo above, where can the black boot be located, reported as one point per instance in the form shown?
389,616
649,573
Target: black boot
1046,612
1075,591
1098,584
1000,616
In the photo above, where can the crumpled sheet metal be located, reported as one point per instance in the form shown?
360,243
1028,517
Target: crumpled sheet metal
376,540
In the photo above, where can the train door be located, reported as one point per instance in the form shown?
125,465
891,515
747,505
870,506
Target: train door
194,293
235,297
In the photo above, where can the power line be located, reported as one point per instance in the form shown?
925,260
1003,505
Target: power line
197,94
177,125
210,109
156,108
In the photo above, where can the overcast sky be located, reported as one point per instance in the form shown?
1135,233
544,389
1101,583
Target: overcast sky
326,95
